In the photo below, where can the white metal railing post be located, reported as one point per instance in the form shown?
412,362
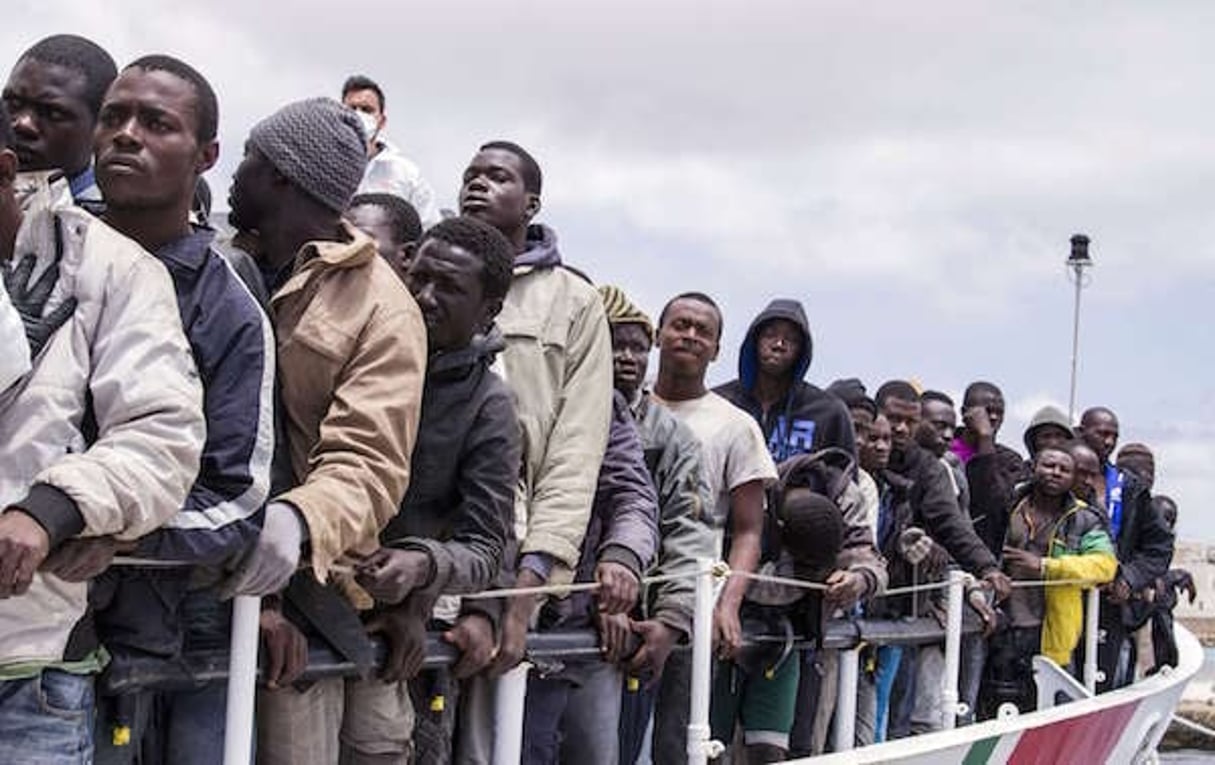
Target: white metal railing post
242,680
1092,630
510,698
953,650
699,745
845,703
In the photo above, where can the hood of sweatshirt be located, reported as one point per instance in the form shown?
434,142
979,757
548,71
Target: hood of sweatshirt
748,355
1047,416
480,350
541,250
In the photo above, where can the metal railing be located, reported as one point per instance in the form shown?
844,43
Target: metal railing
240,667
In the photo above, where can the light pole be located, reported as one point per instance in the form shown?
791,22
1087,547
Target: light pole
1078,261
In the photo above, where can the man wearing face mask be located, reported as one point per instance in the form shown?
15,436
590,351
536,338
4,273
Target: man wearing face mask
388,170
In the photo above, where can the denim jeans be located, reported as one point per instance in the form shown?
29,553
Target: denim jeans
970,676
573,717
47,720
890,658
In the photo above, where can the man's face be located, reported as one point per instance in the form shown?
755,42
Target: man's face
688,338
937,427
903,416
1142,466
51,117
876,447
252,191
1050,437
146,146
778,346
492,190
375,222
1100,431
446,281
994,404
1088,474
630,357
1054,472
366,102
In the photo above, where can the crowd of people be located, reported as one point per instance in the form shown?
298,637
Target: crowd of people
366,410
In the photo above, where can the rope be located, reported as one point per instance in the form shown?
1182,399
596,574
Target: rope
1187,723
720,570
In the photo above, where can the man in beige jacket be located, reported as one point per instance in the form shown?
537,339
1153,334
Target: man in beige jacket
351,359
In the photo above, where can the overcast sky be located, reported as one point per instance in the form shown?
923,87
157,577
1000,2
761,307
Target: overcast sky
911,171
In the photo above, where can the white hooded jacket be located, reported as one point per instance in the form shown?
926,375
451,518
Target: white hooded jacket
121,362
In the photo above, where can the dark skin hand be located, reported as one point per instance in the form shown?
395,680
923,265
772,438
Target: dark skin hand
999,582
79,560
1022,564
405,631
24,545
473,635
657,641
618,588
512,644
614,636
390,575
286,649
844,588
978,424
1118,591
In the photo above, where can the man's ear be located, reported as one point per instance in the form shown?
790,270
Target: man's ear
405,255
208,155
8,168
491,310
533,206
716,350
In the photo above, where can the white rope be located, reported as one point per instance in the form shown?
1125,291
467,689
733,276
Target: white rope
1187,723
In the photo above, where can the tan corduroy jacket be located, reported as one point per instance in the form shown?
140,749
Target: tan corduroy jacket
352,361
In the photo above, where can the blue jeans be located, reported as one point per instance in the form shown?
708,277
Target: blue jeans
47,720
888,662
574,717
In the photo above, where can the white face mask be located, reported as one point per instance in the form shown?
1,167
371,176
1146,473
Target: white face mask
371,127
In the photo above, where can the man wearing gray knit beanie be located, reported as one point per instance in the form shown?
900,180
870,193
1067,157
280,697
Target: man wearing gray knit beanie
351,359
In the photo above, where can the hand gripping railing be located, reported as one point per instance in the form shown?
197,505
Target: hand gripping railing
239,665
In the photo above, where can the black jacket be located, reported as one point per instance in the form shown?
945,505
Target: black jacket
934,508
809,419
461,498
1144,543
993,480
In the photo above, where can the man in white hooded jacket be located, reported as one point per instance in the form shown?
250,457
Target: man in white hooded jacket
101,437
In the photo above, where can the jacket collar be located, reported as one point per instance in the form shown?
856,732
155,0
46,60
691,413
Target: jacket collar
480,350
189,253
357,250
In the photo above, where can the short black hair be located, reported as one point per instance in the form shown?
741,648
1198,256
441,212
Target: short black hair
1094,411
980,388
699,297
533,179
938,396
207,105
485,242
406,225
362,82
7,138
80,55
900,389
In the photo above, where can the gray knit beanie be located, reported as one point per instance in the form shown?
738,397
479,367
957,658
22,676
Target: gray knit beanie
319,145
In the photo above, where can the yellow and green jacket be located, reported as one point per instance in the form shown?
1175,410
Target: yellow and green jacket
1080,549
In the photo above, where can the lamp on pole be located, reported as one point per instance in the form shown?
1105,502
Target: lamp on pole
1077,262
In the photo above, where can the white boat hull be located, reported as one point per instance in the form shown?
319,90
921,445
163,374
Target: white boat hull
1123,726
